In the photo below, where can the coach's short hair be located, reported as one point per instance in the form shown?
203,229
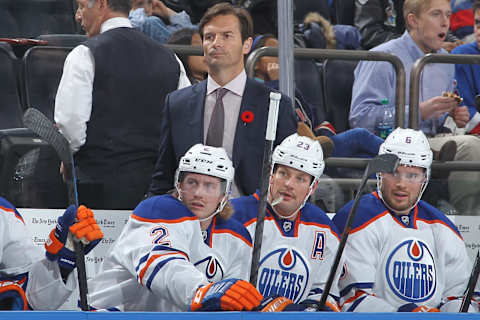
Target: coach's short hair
225,8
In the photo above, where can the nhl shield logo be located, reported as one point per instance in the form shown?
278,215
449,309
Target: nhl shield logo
285,272
410,271
211,267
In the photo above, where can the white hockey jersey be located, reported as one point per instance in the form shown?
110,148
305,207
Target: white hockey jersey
393,261
296,256
161,258
24,263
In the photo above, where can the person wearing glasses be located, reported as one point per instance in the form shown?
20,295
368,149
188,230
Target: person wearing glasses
402,253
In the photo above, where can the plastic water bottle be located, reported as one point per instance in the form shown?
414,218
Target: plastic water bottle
385,121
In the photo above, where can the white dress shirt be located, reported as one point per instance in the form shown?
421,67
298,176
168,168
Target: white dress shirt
73,103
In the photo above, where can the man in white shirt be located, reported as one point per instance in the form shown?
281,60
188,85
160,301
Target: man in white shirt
110,101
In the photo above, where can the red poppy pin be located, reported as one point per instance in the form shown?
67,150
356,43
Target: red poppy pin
247,117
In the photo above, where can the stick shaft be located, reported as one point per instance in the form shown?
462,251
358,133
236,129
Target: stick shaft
266,169
343,240
472,282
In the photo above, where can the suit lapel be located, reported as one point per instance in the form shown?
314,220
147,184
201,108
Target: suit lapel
196,110
250,102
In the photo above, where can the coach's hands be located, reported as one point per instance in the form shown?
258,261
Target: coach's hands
226,295
73,225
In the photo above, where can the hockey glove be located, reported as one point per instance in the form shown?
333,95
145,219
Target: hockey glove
277,303
412,307
73,225
12,296
226,295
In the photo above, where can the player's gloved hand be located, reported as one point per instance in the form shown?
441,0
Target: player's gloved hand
226,295
12,296
412,307
276,303
73,225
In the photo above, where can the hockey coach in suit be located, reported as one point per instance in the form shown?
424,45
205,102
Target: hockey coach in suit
192,114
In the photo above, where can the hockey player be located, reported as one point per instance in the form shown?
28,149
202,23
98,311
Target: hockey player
28,280
403,254
299,240
181,252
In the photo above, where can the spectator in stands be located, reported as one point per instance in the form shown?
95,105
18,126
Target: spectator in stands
163,21
195,114
468,75
141,9
195,66
380,21
461,20
354,142
427,24
320,33
109,104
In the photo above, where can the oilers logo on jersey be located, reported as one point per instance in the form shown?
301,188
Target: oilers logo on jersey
285,272
410,271
211,267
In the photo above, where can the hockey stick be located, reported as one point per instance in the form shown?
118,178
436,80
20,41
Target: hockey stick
42,126
266,168
472,282
382,163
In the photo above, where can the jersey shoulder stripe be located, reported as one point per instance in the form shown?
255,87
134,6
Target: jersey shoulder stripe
233,227
431,215
164,208
313,215
369,209
6,206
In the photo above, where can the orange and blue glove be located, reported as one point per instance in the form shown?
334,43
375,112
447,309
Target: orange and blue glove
12,296
226,295
76,225
277,303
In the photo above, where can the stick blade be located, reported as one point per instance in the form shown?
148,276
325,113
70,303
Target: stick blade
383,163
44,127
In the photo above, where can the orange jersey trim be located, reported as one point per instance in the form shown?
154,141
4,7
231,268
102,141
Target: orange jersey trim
441,222
321,226
12,211
363,226
233,233
357,295
152,259
134,216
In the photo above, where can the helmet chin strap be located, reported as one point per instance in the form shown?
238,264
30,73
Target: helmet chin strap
280,199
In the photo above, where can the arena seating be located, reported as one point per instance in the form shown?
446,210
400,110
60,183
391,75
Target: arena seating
337,86
10,107
42,69
30,18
